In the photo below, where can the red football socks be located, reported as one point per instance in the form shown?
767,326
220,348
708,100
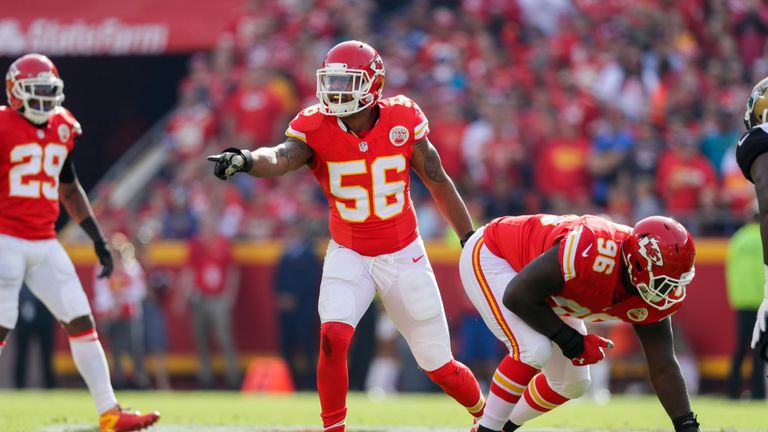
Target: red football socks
458,382
332,378
508,384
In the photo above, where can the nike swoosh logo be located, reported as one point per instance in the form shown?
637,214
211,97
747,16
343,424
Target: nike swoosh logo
586,251
417,259
744,138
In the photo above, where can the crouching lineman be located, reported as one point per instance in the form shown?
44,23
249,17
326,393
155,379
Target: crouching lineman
535,279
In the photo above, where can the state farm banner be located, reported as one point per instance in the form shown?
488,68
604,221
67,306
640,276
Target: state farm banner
113,27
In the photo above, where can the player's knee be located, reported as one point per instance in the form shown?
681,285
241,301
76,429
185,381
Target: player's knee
335,338
80,325
431,357
337,308
537,355
420,294
573,389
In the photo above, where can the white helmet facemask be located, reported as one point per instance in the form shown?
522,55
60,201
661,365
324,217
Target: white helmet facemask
343,91
41,95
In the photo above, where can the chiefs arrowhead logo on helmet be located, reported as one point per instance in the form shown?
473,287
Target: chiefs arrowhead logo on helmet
659,256
649,249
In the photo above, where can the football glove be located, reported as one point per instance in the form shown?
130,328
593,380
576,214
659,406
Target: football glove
686,423
105,258
582,350
230,161
761,323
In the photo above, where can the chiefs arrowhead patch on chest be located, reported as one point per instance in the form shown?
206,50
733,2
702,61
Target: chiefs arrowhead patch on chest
64,133
398,135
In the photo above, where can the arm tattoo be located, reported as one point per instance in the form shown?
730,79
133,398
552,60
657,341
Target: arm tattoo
433,167
296,153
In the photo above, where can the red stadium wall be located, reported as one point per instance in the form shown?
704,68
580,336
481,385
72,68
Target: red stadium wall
705,318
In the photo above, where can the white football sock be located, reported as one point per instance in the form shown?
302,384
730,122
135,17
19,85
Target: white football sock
92,364
2,345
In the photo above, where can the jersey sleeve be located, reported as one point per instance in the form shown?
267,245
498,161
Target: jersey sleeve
589,264
572,246
72,122
306,121
421,128
751,145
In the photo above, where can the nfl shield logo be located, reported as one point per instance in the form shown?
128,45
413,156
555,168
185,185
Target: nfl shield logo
363,146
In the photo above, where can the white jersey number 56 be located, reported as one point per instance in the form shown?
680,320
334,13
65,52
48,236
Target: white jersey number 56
388,197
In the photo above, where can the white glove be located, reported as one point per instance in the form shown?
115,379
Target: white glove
761,321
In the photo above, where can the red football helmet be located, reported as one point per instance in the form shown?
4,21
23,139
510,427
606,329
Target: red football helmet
33,87
659,257
351,79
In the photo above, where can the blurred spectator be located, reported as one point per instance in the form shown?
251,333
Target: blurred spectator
744,276
209,285
118,307
607,158
558,106
686,179
297,282
254,115
179,222
561,171
35,322
155,322
190,127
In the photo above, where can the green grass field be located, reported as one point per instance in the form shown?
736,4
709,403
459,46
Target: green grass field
72,411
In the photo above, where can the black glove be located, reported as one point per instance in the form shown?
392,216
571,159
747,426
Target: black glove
105,258
466,237
686,423
230,161
570,341
91,228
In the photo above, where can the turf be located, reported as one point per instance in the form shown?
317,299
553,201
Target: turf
70,410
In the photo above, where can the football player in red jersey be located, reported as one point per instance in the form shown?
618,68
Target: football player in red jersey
360,147
37,136
536,279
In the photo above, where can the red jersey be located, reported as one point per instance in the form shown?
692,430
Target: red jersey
31,159
366,179
590,259
210,258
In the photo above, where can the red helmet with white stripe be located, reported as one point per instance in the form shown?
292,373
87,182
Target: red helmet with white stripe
33,87
351,79
659,256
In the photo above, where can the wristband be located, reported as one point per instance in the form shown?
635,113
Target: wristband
92,229
570,341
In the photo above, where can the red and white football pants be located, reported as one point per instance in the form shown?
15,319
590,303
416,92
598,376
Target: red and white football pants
407,287
485,277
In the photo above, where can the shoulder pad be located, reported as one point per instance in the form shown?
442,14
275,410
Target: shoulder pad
68,118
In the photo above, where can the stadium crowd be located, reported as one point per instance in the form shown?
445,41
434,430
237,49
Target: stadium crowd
535,106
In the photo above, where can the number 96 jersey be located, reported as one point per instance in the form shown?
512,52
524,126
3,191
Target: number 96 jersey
31,159
366,179
589,253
